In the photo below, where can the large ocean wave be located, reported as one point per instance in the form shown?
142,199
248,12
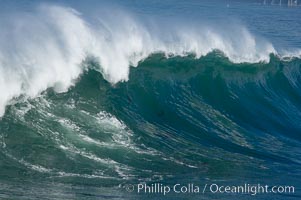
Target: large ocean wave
175,119
92,102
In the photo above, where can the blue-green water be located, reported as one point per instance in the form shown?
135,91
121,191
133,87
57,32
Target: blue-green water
95,97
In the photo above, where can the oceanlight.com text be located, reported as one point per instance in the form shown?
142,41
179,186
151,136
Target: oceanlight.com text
213,188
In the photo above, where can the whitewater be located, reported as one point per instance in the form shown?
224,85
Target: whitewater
48,47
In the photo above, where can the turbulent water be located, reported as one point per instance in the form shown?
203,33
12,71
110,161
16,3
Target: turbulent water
89,105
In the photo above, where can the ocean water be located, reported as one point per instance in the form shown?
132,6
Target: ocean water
98,97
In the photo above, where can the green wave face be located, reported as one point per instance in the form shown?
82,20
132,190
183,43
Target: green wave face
97,96
177,119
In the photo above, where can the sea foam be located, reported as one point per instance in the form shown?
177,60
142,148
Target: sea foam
46,47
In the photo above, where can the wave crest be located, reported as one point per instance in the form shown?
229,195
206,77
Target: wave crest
46,47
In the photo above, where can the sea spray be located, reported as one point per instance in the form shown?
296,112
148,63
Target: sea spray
46,48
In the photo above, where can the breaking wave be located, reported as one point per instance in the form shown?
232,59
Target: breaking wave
49,47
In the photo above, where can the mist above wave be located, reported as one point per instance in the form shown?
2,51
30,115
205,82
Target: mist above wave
45,48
